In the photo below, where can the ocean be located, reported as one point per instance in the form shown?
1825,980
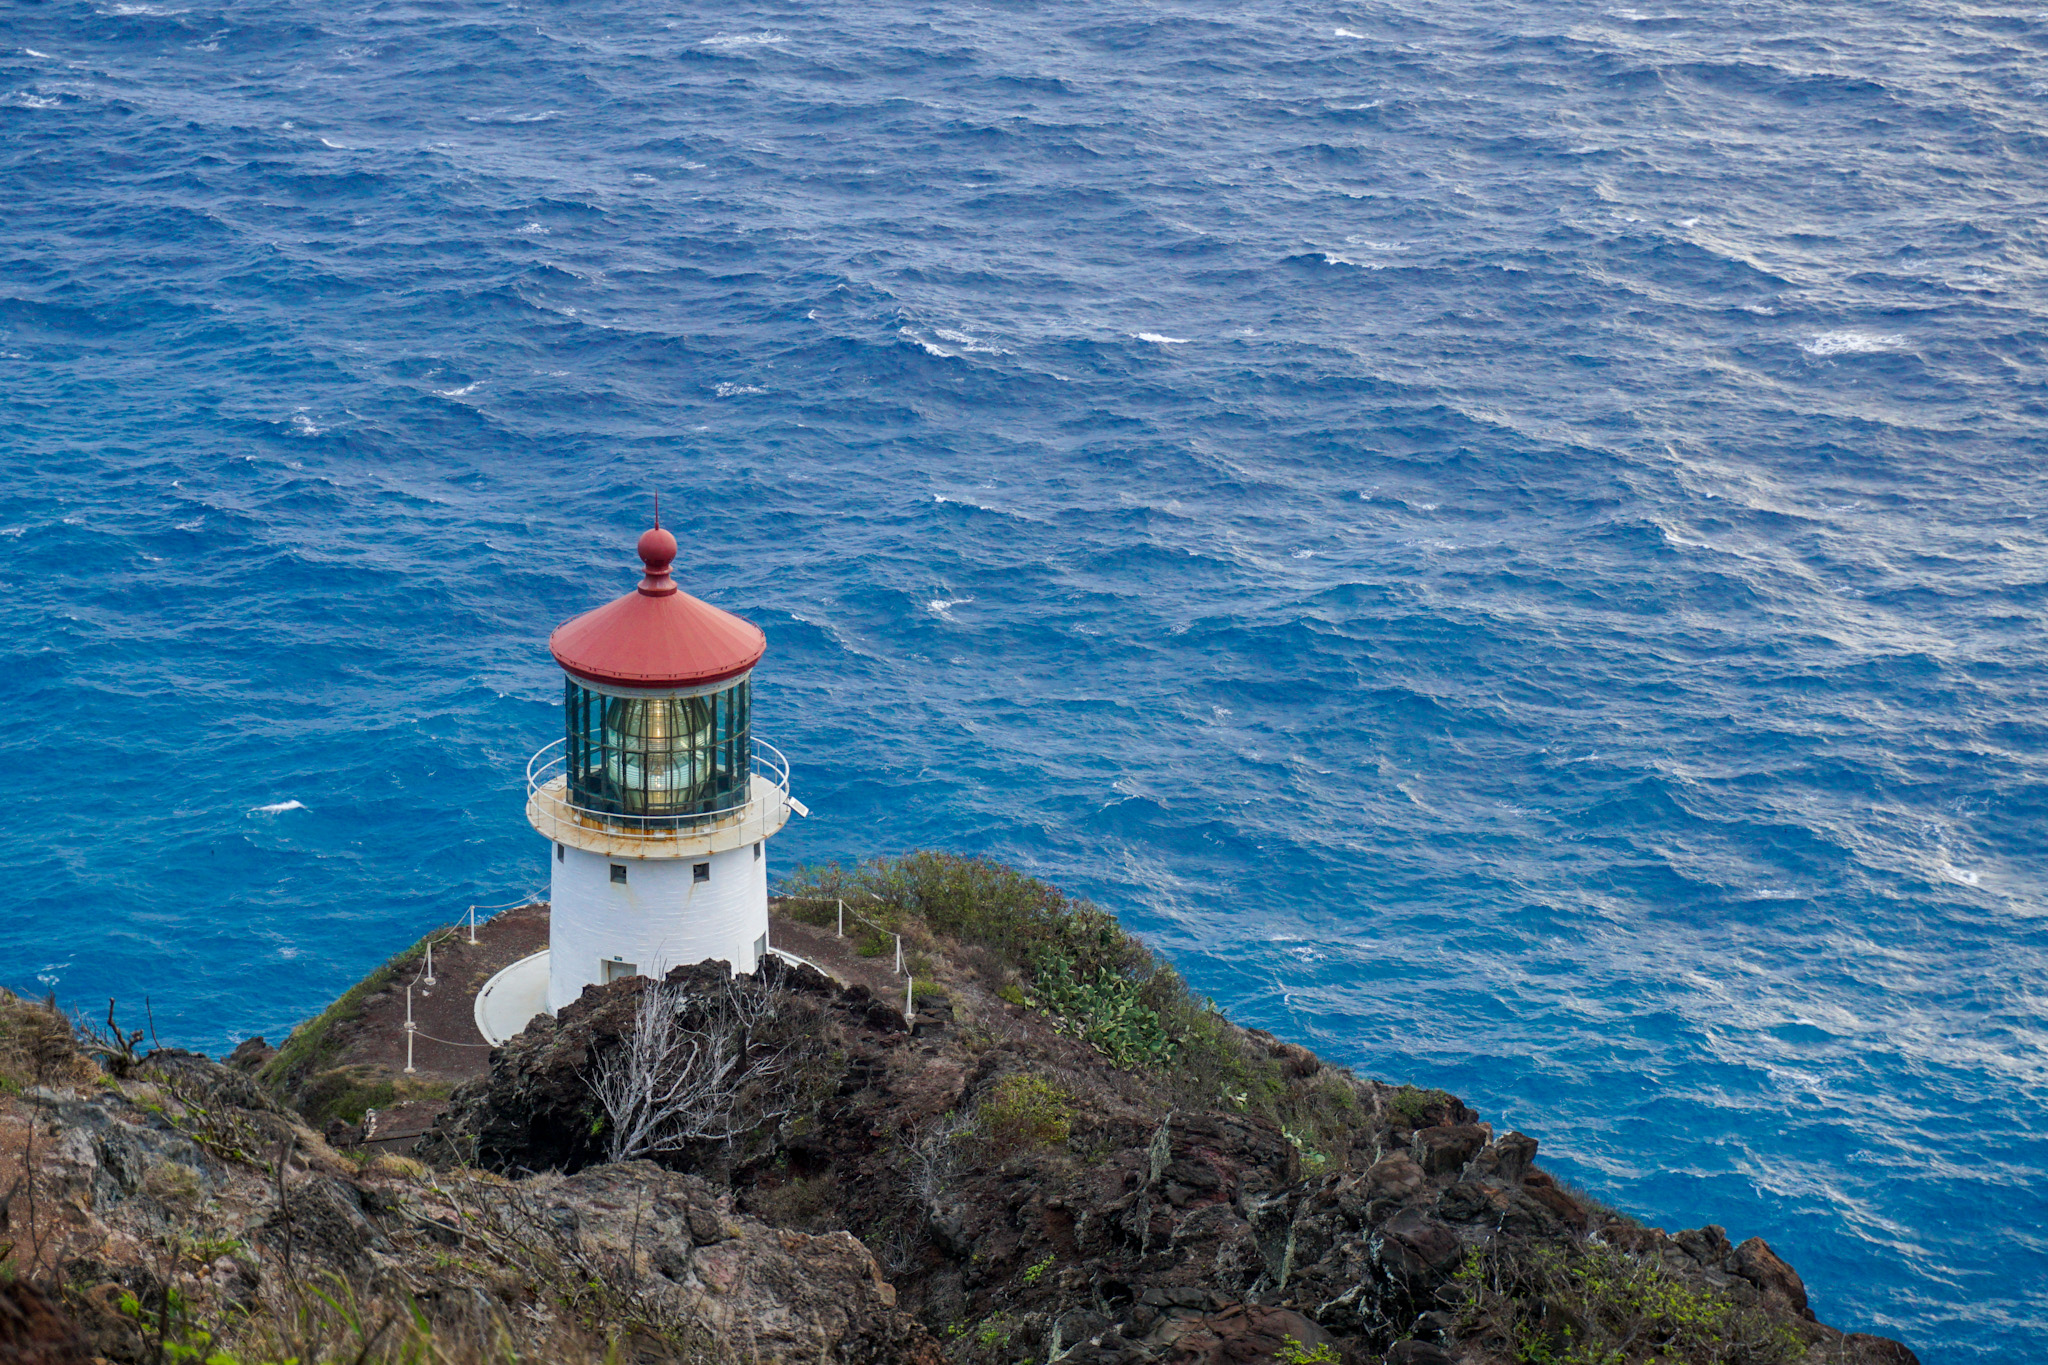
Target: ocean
1505,539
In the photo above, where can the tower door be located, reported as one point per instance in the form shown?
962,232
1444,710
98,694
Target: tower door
619,971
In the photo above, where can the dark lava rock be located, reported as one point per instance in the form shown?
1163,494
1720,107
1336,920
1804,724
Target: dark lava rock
1444,1149
251,1054
1413,1352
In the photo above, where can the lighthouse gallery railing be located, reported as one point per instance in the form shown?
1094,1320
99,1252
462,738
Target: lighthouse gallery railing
551,766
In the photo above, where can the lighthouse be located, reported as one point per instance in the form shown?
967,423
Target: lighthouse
658,801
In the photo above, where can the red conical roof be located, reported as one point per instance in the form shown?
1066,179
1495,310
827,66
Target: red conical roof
658,636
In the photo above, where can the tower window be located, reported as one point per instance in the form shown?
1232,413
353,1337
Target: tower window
561,854
701,872
757,850
619,873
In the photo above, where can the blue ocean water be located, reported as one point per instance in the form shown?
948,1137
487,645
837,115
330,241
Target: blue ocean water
1506,538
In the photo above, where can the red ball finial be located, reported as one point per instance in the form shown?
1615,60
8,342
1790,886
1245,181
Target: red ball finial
657,552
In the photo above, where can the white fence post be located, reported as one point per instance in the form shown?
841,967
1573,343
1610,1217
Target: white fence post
899,954
408,1031
842,919
429,977
472,925
909,1000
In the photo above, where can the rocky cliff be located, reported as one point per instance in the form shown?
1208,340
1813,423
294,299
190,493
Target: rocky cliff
1060,1157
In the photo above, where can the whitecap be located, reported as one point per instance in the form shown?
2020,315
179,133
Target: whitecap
1304,554
1851,343
1963,875
24,100
1685,222
745,39
1157,340
336,146
971,343
909,335
942,607
462,392
277,808
305,425
1349,33
534,230
1585,149
191,525
44,55
735,390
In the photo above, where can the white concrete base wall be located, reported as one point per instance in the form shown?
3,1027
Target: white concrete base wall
659,917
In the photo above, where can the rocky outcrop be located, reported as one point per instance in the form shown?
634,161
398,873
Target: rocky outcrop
178,1206
1346,1220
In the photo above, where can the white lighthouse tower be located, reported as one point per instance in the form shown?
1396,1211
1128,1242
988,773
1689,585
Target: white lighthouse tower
658,802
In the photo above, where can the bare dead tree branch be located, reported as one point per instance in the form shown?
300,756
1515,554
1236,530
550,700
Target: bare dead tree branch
699,1066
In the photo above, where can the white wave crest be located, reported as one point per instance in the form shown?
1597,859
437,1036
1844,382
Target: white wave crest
942,607
745,39
1157,340
1851,343
735,390
967,342
277,808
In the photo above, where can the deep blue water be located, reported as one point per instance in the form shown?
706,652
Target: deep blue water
1507,539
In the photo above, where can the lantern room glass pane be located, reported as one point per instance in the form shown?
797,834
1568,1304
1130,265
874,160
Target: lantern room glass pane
658,758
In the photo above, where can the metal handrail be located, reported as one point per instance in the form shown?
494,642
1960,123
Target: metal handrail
765,760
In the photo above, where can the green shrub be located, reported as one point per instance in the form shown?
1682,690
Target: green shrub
1105,1009
1023,1112
975,900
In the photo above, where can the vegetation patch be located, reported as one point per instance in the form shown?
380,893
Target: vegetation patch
38,1046
1104,1009
1600,1305
1023,1113
1071,960
1413,1105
